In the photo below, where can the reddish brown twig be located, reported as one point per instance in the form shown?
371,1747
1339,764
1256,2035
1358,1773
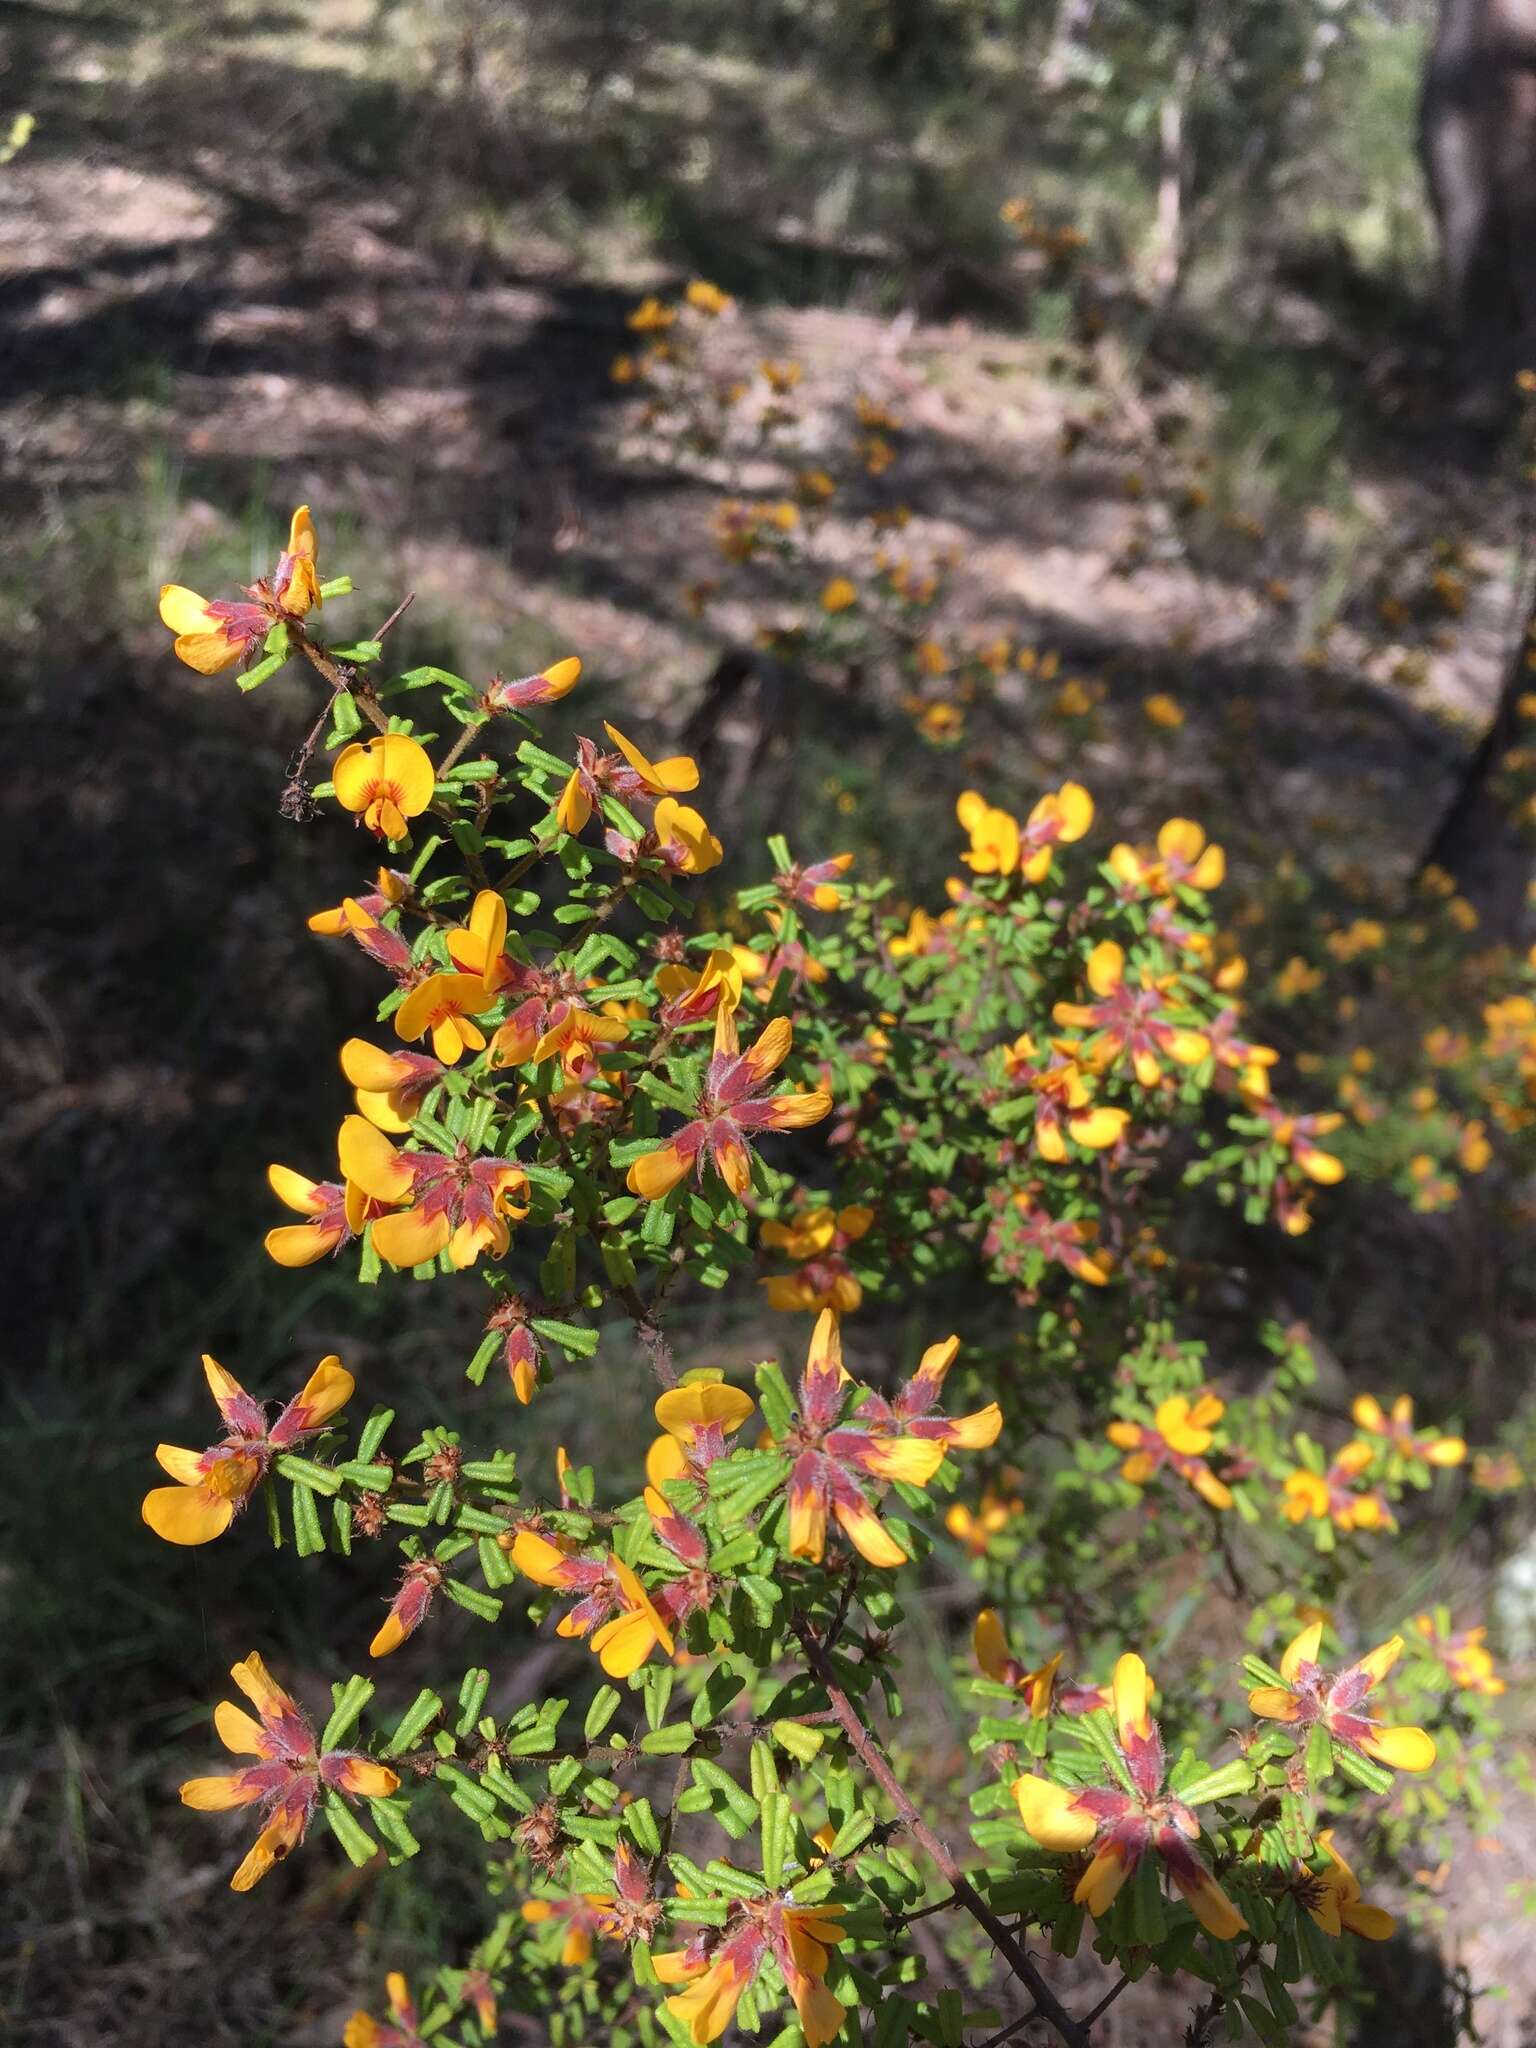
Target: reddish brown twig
1047,2005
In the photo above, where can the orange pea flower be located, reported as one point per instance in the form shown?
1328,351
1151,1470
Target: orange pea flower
697,995
337,1212
1333,1899
731,1109
612,1605
974,1528
838,1454
1063,1101
1334,1495
697,1416
1129,1020
994,835
384,783
629,775
381,942
521,1352
720,1962
391,1087
212,1486
451,1202
679,838
548,686
1179,1435
213,636
447,1006
816,886
582,1918
401,2030
1310,1695
479,947
1427,1447
288,1777
818,1238
1044,1690
1465,1656
1183,861
1297,1135
391,887
420,1582
1121,1826
1066,1240
577,1036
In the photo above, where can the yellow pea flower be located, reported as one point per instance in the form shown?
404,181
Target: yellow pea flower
384,783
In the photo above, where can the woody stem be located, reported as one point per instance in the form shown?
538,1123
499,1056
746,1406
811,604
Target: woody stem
340,678
869,1753
653,1341
1203,2019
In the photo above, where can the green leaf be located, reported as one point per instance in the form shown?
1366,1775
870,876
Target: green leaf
359,1845
765,1772
671,1740
348,1702
390,1821
1371,1777
346,719
414,1722
470,1796
803,1744
477,1522
370,1478
263,672
715,1695
304,1472
640,1821
1148,1923
656,1690
1264,1674
775,1828
484,1605
1227,1781
725,1794
533,756
605,1704
660,1220
308,1536
574,1339
496,1568
774,1398
741,1500
1319,1753
477,1683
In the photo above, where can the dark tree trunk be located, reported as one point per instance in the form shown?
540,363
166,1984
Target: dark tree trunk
1476,841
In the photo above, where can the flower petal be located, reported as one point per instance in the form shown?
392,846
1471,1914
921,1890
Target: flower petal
187,1515
368,1158
655,1174
1400,1749
221,1795
1302,1649
409,1237
1050,1814
683,1410
868,1534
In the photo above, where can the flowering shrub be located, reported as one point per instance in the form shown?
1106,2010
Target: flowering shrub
1039,1100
